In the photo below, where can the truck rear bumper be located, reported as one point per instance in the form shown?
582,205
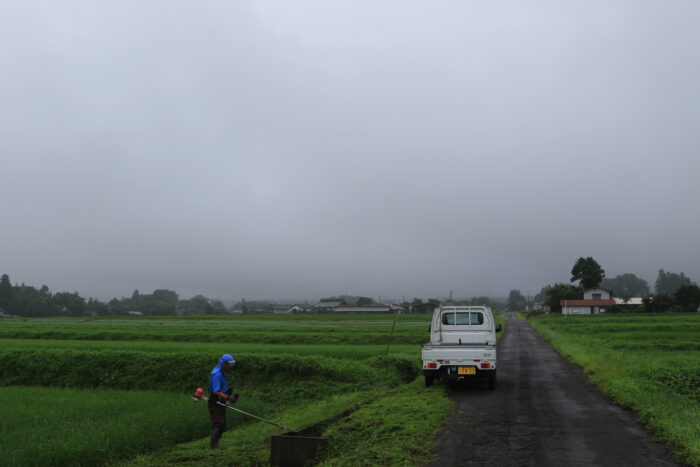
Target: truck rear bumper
451,373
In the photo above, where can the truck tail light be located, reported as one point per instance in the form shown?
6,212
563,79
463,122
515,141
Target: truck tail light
432,365
485,365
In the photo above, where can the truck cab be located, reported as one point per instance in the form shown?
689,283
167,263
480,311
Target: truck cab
462,345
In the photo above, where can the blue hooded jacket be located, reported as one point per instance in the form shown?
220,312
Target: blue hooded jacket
217,380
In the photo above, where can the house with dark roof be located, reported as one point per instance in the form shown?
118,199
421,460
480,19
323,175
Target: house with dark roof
328,305
594,301
364,309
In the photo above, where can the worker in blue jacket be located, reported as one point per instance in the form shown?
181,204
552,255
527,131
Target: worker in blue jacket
220,392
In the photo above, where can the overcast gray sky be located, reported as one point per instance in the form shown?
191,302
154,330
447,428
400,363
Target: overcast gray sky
304,149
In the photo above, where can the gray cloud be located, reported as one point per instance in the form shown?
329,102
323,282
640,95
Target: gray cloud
301,149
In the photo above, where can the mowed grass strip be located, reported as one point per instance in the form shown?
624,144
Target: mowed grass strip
398,428
661,382
249,444
383,427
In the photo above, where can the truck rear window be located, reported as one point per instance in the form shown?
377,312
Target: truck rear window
463,318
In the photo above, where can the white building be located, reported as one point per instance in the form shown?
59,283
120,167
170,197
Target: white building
597,293
595,301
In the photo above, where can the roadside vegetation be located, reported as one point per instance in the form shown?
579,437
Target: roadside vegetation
648,363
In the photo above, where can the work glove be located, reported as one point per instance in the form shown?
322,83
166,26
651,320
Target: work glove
232,399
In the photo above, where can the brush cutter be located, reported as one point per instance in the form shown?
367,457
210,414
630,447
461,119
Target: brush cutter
199,395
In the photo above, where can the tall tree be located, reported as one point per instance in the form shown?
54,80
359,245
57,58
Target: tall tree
559,292
165,295
588,272
516,301
668,282
542,294
68,303
627,285
5,293
687,297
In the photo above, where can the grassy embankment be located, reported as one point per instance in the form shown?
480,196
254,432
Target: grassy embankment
648,363
124,384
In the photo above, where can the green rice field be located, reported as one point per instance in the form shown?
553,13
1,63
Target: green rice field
103,391
649,363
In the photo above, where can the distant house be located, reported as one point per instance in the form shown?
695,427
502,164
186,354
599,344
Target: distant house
328,305
585,307
282,309
597,293
135,313
301,308
632,301
422,307
363,309
595,300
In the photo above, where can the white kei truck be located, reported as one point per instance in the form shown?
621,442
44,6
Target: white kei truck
462,345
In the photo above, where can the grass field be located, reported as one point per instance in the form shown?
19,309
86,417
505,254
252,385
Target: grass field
271,329
648,363
124,384
49,426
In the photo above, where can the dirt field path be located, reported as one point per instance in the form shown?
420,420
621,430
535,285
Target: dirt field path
542,413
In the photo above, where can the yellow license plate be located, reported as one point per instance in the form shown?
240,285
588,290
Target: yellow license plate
466,370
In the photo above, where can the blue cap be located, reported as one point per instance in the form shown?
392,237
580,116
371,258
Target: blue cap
227,358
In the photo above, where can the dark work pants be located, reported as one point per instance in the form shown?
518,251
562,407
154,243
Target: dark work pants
217,413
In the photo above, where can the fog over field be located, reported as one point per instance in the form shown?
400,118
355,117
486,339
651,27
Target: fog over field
305,149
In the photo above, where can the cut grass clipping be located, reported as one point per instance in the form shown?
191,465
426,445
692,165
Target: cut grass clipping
398,428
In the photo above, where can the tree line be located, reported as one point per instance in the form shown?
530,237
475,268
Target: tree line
25,300
672,291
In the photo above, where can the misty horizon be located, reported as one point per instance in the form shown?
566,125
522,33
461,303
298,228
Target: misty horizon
449,295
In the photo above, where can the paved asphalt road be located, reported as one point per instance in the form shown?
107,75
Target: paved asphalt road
542,413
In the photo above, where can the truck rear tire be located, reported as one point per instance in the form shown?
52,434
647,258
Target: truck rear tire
428,381
492,381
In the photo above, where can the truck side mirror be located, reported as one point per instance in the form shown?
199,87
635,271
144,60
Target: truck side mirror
499,328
